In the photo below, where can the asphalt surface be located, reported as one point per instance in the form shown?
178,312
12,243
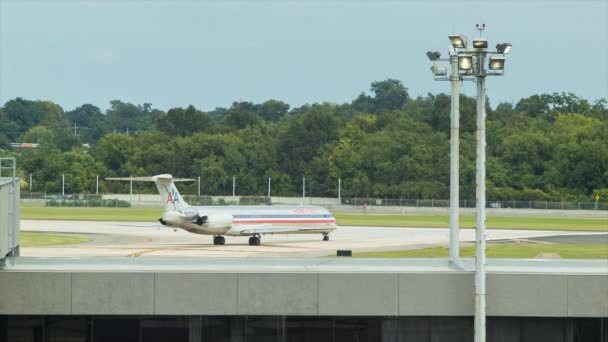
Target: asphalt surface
141,239
596,239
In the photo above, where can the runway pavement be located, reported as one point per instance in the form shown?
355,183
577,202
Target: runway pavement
141,239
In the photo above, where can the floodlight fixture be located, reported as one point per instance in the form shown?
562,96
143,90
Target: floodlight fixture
480,43
465,62
433,55
458,42
439,70
497,63
503,48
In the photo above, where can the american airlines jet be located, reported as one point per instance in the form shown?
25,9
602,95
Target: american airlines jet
253,221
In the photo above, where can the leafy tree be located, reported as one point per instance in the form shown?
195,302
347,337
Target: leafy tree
389,95
179,121
114,151
126,117
273,110
91,123
242,115
304,137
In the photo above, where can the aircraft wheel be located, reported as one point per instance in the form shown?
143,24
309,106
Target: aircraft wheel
254,241
219,240
325,237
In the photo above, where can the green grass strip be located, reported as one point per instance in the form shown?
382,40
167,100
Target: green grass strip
91,214
468,221
506,250
28,239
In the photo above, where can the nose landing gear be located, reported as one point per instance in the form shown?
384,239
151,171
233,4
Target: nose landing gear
219,240
325,237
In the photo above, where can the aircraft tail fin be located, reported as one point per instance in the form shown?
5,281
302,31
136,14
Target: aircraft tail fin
169,193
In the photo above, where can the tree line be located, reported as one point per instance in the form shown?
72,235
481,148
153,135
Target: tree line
384,143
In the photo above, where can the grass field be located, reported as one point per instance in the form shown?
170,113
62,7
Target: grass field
468,221
433,221
91,214
506,250
44,239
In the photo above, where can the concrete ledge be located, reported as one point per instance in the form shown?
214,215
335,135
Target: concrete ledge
312,288
277,294
195,294
358,294
113,293
35,293
527,295
427,294
587,296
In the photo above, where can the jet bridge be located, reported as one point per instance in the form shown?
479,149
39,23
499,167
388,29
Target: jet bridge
9,208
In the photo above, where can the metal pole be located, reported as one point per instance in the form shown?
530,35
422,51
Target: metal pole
269,187
303,187
454,155
97,185
339,191
131,186
480,241
199,186
30,182
62,185
233,186
15,250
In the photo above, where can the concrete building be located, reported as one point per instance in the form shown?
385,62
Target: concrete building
196,299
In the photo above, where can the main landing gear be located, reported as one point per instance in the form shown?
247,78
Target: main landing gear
325,237
254,240
219,240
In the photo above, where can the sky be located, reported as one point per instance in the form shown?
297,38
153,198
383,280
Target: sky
211,53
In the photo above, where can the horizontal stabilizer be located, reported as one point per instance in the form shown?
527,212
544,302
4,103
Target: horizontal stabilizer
147,179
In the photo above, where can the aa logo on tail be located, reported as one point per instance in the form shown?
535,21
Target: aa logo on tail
173,196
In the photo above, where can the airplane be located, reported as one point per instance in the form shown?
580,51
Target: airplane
252,221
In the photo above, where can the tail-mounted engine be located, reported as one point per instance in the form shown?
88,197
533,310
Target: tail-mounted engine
191,218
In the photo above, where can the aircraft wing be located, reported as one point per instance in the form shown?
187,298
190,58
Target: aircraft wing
266,229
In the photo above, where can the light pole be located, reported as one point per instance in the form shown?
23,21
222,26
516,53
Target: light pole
471,66
339,191
440,74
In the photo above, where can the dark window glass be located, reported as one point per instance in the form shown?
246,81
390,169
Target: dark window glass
116,330
451,329
542,329
65,328
588,329
503,329
264,329
362,330
24,329
223,329
164,329
414,329
309,329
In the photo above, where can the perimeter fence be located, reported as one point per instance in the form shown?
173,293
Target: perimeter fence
151,200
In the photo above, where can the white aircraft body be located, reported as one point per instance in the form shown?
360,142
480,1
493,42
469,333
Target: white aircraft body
253,221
